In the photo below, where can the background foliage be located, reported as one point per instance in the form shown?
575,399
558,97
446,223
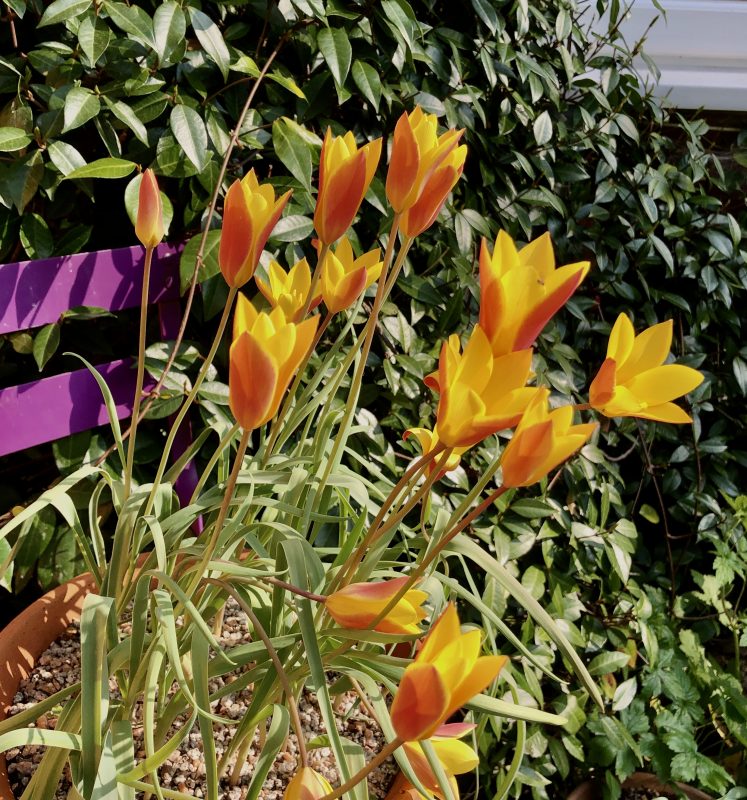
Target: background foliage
640,548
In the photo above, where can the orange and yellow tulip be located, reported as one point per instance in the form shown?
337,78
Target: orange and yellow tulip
520,290
424,167
250,212
446,673
344,277
634,381
456,758
266,352
288,291
358,604
345,173
149,227
428,441
480,394
542,440
307,784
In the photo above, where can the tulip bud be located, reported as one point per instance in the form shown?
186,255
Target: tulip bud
307,784
345,173
288,291
542,440
250,212
149,225
266,352
359,604
344,278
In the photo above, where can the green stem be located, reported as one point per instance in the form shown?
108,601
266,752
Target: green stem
369,330
190,398
213,461
140,373
222,513
278,421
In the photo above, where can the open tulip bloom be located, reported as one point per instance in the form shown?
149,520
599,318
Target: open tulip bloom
634,381
301,528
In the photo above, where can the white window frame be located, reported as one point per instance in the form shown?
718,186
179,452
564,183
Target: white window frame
700,48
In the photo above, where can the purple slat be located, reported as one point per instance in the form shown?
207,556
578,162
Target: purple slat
47,409
34,293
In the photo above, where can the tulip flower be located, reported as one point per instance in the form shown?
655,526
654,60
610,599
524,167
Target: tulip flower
344,277
417,153
542,440
480,394
358,604
250,212
345,173
633,381
446,673
288,291
149,227
266,352
307,784
424,167
428,441
456,758
521,290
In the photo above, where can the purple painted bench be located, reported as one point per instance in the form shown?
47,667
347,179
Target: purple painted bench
35,293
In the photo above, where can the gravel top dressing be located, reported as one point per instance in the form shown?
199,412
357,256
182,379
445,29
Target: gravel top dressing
59,666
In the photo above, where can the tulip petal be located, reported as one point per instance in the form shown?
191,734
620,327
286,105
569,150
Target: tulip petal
621,339
527,449
666,412
650,349
236,236
456,757
482,674
539,254
420,703
445,630
662,384
602,388
252,380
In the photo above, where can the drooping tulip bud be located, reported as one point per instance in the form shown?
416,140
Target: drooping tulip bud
149,227
358,604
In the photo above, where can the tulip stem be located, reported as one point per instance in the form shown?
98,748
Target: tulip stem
278,421
190,398
317,598
233,430
417,573
140,373
282,676
222,513
369,329
378,759
582,407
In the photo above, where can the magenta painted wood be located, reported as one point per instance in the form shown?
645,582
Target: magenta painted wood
34,293
50,408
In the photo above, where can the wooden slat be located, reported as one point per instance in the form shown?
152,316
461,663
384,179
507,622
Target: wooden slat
50,408
34,293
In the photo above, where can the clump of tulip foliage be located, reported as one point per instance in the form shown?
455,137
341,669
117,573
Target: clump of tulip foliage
374,612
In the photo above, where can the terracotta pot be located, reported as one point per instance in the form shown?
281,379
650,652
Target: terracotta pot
31,633
638,780
27,637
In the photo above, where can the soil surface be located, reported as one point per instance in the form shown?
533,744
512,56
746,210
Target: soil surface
59,666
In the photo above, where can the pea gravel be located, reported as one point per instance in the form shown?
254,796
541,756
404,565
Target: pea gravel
59,666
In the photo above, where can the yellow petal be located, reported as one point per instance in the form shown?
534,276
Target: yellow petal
539,254
455,756
666,412
482,674
444,630
662,384
621,339
650,349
